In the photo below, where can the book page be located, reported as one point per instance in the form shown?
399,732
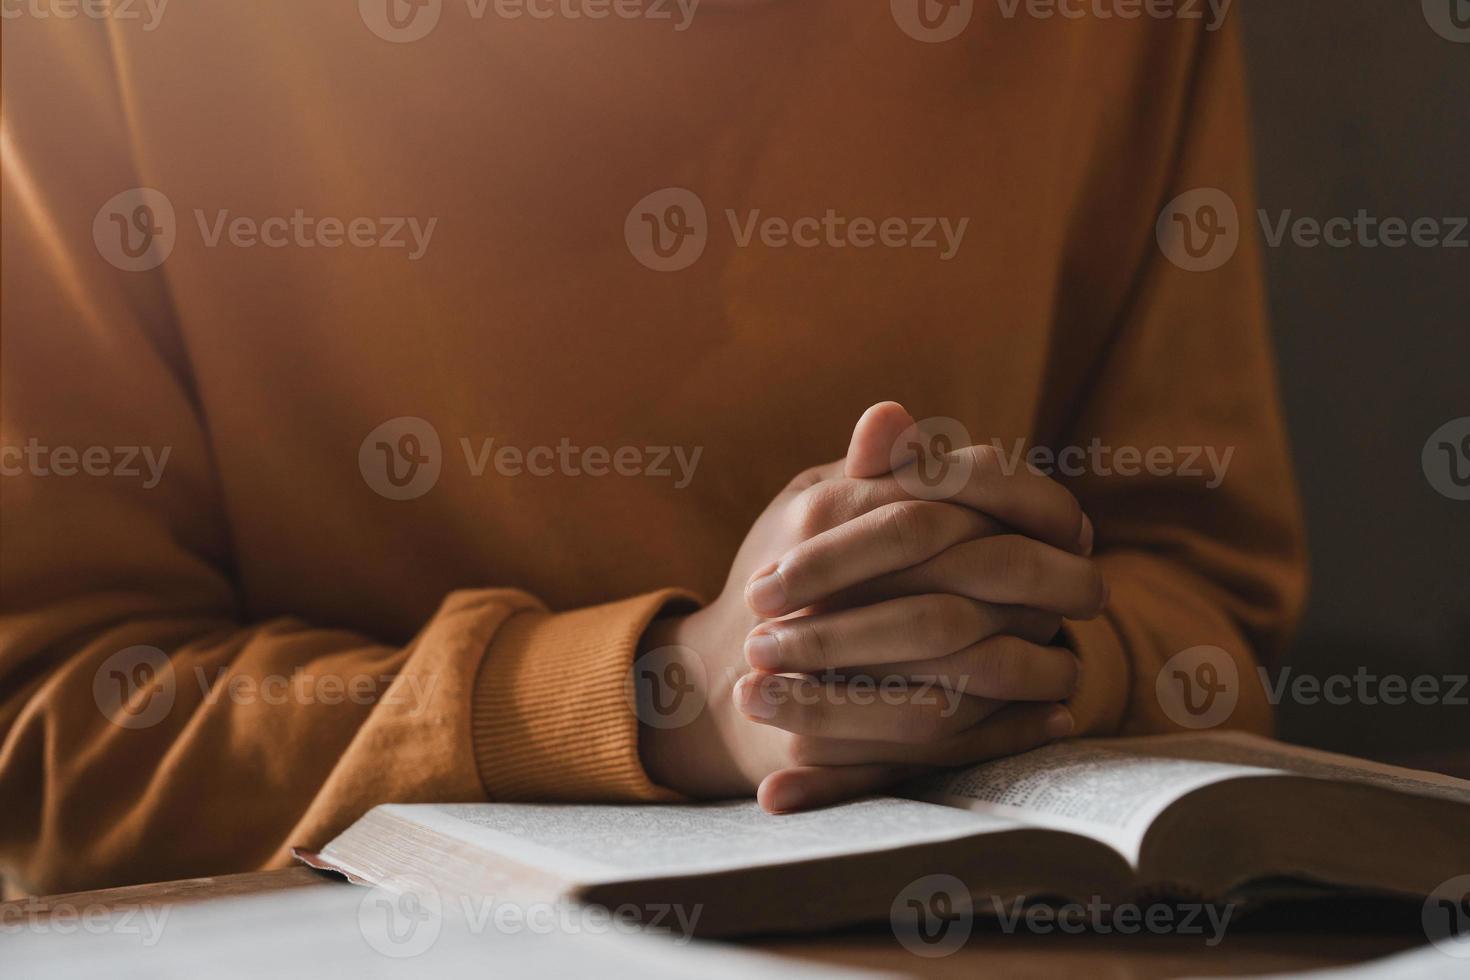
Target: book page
1101,788
601,844
1113,789
1241,748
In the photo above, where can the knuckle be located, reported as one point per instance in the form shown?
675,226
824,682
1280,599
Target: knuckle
909,530
817,508
807,709
807,478
985,462
1016,560
812,646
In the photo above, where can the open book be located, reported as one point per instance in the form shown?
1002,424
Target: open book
1219,817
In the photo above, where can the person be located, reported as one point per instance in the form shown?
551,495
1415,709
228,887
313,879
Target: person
416,411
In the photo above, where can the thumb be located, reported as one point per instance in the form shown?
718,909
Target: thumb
809,787
870,453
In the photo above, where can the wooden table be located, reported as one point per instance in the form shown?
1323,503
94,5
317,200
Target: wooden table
1278,940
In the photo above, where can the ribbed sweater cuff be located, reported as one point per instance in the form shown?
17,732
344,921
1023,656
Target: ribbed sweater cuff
551,718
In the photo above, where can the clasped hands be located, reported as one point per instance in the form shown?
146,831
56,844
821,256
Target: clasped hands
865,633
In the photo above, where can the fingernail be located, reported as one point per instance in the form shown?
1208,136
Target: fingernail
783,799
767,595
1086,540
763,651
751,699
1059,723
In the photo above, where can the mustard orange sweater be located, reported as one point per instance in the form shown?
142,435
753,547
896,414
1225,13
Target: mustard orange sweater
207,498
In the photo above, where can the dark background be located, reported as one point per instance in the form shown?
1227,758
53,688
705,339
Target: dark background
1359,104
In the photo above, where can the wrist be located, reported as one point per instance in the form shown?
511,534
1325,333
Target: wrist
685,750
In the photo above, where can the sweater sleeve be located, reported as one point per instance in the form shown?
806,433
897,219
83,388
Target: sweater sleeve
151,727
1202,547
